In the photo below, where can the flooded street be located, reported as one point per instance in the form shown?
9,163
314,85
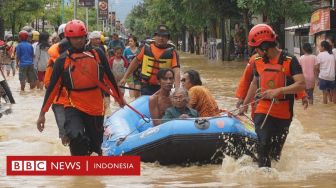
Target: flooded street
308,158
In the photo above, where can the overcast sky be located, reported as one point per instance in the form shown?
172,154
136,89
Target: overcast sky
122,7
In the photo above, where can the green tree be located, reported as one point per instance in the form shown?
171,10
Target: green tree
145,17
278,11
180,16
56,19
17,13
135,21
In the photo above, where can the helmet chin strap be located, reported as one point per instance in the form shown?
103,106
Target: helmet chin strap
264,48
265,56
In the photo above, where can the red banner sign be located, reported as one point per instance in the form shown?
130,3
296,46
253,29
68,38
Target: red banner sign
103,9
320,21
72,165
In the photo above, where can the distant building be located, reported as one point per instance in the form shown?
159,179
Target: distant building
322,26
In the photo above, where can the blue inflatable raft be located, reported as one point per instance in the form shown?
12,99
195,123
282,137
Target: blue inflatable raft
176,141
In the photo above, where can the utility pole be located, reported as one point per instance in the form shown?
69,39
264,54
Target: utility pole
223,38
87,18
97,27
75,9
62,11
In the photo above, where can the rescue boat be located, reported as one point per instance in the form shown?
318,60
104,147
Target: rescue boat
180,141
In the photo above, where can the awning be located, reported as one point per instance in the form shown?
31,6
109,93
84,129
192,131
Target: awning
320,21
304,26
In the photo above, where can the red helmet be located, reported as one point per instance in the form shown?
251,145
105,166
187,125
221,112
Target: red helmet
23,35
2,43
75,28
261,33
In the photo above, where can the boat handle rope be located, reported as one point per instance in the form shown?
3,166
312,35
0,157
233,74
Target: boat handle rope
122,139
143,116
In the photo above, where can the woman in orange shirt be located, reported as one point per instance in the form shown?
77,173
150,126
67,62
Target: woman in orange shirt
200,97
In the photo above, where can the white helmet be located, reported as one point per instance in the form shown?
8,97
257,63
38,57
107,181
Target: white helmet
94,35
8,36
61,29
28,28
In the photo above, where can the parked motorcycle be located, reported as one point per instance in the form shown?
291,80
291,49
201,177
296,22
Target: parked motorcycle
6,97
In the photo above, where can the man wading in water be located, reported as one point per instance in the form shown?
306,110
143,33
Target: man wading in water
279,76
84,74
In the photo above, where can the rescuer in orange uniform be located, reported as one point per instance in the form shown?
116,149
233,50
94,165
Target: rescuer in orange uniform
245,82
279,77
58,106
84,74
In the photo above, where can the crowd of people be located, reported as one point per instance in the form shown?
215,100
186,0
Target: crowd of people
81,72
320,70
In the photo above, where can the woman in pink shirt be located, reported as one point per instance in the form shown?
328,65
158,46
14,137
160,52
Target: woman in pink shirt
307,62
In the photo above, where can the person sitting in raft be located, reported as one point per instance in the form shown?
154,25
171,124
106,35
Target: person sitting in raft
200,97
160,101
180,109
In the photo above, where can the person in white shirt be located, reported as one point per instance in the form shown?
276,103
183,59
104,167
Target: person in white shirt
35,39
325,68
332,43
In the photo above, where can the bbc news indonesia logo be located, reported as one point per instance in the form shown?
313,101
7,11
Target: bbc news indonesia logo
73,165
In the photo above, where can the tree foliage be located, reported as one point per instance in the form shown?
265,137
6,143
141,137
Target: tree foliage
178,15
19,12
14,14
295,10
277,11
194,15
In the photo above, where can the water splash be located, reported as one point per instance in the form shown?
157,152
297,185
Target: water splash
298,162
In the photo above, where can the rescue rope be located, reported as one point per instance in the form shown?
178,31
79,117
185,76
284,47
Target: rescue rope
129,88
262,125
249,118
122,139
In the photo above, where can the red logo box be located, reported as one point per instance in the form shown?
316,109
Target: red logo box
72,165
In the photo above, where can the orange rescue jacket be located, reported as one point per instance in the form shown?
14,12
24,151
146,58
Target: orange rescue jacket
54,53
273,76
